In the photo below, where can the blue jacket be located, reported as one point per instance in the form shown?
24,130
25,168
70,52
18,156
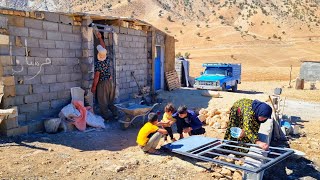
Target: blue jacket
191,120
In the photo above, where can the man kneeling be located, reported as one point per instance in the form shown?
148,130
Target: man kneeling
188,122
150,135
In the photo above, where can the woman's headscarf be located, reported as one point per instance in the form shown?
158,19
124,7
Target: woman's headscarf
261,109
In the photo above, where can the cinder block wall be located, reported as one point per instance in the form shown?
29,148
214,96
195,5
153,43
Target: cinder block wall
41,59
310,71
131,55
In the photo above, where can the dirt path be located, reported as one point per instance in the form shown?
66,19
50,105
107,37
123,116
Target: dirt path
113,154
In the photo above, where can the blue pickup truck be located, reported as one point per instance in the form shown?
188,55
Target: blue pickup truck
219,76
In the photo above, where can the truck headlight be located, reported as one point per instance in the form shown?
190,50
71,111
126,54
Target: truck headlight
218,83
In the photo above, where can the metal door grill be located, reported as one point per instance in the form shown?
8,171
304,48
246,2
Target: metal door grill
206,149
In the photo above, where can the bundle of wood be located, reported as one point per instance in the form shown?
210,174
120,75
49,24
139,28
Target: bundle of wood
215,118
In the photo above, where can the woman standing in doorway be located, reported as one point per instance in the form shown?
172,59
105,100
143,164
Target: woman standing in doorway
103,85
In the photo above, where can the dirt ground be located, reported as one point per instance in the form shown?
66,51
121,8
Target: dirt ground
112,153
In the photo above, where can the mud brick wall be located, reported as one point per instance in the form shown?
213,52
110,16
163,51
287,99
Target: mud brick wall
310,71
40,61
131,55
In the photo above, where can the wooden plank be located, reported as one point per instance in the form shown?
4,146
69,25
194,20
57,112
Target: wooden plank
172,80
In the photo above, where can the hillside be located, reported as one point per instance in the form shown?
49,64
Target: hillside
268,35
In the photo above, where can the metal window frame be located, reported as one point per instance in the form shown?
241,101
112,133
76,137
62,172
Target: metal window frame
215,148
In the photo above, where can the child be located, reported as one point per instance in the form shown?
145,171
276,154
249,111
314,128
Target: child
150,135
168,120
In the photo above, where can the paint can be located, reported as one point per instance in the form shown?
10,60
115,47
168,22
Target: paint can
295,129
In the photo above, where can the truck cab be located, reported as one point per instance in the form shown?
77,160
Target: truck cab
219,76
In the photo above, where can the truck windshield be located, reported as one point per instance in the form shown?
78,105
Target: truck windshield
215,71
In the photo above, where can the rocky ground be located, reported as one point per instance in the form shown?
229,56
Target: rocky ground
112,153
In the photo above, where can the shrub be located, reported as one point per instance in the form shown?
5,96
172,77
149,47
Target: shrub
181,32
166,28
207,38
274,36
187,55
220,17
178,54
198,34
198,25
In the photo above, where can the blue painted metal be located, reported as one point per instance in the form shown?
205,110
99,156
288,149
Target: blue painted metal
157,69
189,143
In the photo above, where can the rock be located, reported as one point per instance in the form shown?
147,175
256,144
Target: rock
224,125
217,175
226,172
240,163
50,149
217,169
237,175
202,118
119,168
203,112
52,125
217,125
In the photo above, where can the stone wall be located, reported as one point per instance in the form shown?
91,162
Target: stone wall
310,71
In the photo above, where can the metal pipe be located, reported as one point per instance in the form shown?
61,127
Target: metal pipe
244,154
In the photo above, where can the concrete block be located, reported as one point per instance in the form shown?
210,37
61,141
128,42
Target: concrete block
17,51
8,81
87,33
76,29
131,31
35,126
62,44
31,80
58,62
4,39
86,84
47,43
9,91
45,79
33,70
53,17
76,76
68,53
59,104
68,37
44,106
87,45
33,23
49,96
18,31
77,38
26,108
6,60
57,87
16,21
16,131
87,53
65,28
52,69
18,100
72,61
22,117
65,94
86,22
50,26
3,22
66,19
40,88
53,35
34,98
76,68
4,50
123,30
69,85
63,77
38,33
66,69
38,52
9,123
22,90
78,53
116,29
75,45
31,42
54,53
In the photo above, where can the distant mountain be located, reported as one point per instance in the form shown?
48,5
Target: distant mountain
206,22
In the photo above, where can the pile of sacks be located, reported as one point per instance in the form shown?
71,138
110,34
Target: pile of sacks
215,118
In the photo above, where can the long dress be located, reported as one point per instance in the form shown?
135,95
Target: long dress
242,116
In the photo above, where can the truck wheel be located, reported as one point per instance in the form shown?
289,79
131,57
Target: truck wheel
224,87
235,87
